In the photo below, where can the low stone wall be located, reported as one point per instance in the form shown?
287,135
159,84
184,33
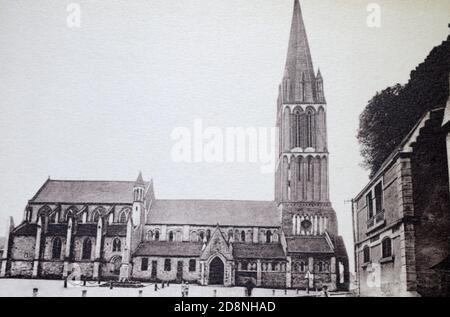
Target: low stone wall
21,269
273,279
52,269
161,273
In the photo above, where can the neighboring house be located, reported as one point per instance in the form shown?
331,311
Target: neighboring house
119,230
402,217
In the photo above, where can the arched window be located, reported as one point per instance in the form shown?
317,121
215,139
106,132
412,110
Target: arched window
54,217
123,217
296,129
171,236
237,235
242,236
202,236
194,236
156,235
366,254
302,266
386,248
96,216
192,265
56,249
117,245
310,169
309,129
29,214
87,250
320,266
249,236
179,236
268,236
149,236
208,234
70,214
43,218
262,235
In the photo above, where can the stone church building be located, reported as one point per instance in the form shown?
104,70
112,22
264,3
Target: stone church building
120,230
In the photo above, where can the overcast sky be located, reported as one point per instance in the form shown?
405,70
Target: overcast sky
100,101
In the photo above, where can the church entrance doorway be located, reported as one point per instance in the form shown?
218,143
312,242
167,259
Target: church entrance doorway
216,272
116,263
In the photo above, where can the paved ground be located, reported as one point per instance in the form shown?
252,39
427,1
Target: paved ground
24,288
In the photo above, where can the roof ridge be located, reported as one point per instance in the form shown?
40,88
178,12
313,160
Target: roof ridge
91,181
223,200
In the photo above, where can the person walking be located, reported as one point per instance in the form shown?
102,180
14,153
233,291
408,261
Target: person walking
249,285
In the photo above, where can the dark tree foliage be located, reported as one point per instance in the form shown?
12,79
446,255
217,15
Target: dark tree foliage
393,112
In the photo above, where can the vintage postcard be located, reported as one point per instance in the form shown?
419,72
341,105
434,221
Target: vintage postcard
239,148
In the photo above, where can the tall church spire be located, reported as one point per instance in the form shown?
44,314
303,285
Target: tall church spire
299,79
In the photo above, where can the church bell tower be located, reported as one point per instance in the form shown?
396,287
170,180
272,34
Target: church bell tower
301,177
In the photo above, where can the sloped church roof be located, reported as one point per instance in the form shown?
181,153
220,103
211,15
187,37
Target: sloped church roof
79,192
211,212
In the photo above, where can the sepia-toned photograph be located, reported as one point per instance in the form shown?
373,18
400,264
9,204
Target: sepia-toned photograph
225,149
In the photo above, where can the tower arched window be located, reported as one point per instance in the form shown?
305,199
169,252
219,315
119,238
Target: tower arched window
309,129
87,250
117,245
56,249
296,129
242,236
149,236
171,236
310,169
208,234
202,236
156,235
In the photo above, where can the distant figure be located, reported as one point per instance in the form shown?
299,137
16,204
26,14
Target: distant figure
249,285
186,289
324,292
156,287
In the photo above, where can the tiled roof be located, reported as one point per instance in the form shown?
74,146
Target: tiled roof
86,229
80,192
57,230
258,251
213,212
116,230
308,244
169,249
26,229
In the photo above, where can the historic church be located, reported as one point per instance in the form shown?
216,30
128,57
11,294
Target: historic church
120,230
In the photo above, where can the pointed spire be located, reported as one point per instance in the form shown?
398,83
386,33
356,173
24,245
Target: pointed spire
319,74
140,179
299,64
